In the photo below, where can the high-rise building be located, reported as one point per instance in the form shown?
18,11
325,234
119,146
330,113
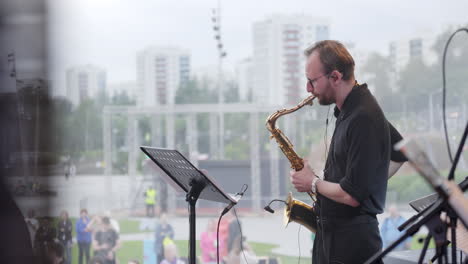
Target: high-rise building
278,56
401,52
125,87
84,82
160,72
244,78
360,57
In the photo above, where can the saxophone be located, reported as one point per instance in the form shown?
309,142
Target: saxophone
295,210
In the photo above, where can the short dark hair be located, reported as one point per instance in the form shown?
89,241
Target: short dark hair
106,220
334,56
83,211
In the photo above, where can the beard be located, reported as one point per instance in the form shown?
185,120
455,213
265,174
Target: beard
325,101
326,98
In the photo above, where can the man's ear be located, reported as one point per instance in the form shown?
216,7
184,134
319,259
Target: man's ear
336,75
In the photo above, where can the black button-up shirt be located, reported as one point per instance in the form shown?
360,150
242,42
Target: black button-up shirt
359,156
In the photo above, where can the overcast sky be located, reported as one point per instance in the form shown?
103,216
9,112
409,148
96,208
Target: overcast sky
108,33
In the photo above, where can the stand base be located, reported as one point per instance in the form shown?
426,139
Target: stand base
412,256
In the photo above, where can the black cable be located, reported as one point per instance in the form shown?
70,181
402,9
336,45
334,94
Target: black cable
299,244
325,139
324,171
443,91
241,193
242,236
188,212
217,239
322,231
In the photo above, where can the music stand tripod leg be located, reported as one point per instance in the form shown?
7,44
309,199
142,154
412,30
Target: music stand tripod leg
424,249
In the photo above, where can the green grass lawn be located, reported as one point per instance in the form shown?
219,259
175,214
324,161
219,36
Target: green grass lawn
416,244
129,250
126,226
134,250
130,227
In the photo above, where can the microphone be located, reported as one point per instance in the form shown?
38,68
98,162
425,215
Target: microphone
449,190
236,198
268,209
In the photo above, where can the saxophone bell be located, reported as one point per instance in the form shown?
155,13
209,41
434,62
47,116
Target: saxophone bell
301,213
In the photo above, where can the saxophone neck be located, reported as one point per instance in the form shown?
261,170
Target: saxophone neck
271,120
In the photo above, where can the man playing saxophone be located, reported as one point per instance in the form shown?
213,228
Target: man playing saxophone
353,190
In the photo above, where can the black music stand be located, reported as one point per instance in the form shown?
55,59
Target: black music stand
431,214
195,184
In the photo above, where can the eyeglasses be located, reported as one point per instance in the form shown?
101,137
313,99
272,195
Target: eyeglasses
314,81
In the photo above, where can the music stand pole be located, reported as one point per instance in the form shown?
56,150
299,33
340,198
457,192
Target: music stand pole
197,186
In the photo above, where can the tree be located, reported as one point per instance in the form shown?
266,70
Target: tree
417,81
122,98
85,128
231,92
377,67
193,92
456,65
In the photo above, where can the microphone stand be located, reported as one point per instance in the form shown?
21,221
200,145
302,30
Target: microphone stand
431,217
451,213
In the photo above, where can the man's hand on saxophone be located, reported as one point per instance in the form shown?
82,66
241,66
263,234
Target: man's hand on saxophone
304,179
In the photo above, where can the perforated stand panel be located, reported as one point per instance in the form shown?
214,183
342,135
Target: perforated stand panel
182,171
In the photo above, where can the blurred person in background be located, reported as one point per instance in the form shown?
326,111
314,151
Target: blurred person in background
208,243
64,235
150,201
106,242
170,255
235,230
114,223
164,234
389,229
97,260
53,254
83,236
45,237
32,224
241,253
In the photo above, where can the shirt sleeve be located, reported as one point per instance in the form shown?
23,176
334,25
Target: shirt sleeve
396,137
366,150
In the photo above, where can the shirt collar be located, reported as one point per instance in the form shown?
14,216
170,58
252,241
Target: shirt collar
351,100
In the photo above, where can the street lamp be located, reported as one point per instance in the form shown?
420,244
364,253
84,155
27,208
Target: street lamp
216,19
431,109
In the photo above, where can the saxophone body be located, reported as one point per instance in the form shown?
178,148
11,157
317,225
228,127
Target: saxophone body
296,211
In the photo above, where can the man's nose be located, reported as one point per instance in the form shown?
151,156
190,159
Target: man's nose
310,89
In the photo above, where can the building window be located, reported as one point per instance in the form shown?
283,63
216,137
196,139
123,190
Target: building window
83,85
321,32
416,48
